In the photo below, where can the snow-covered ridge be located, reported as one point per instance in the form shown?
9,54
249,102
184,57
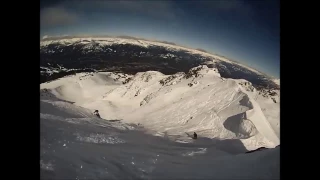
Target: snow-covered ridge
52,70
277,81
269,101
199,100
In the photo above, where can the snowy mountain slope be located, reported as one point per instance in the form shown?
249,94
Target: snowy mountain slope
269,102
110,40
77,145
95,43
129,56
83,86
198,101
277,81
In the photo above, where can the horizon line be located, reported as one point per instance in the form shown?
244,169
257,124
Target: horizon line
48,37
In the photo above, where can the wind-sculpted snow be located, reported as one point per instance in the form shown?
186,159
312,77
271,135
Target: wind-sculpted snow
241,127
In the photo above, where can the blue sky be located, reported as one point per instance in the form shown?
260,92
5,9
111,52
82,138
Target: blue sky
245,31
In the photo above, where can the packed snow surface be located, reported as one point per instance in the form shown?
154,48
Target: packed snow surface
77,145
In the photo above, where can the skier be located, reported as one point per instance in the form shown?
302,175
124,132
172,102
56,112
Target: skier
96,112
195,136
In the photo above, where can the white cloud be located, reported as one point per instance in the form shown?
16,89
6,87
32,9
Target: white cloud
156,9
54,16
60,14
